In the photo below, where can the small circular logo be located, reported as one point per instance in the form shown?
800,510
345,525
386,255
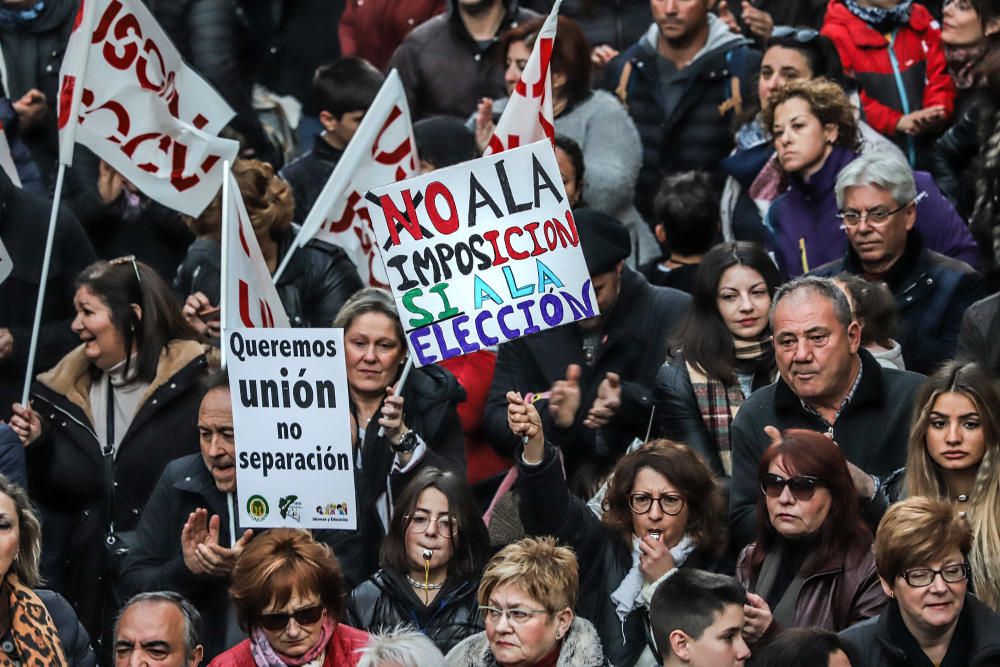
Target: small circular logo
257,508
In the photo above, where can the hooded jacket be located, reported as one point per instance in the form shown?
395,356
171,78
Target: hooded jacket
580,648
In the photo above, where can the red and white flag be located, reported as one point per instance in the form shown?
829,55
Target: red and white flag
249,297
527,118
6,159
382,151
126,94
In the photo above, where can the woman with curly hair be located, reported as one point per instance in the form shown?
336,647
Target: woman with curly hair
816,135
662,510
318,280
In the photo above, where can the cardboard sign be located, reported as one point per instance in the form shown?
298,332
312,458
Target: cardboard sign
482,253
294,465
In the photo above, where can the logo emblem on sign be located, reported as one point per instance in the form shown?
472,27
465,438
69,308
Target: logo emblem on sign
290,508
257,508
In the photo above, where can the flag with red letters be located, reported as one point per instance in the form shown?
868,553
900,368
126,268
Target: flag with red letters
126,94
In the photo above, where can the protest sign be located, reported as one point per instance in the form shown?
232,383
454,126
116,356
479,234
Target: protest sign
292,427
126,94
382,151
7,160
481,253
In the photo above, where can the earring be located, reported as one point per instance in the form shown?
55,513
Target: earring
558,635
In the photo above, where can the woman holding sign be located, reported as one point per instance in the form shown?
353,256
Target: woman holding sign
394,435
105,422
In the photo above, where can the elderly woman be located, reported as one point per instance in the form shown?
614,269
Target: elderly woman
921,550
289,595
317,281
527,596
95,434
662,510
43,626
816,135
421,423
431,560
811,564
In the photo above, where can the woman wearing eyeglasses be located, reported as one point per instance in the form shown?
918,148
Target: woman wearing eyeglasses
431,559
922,549
812,563
815,134
289,595
662,510
527,596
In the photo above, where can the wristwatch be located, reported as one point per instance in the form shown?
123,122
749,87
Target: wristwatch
406,444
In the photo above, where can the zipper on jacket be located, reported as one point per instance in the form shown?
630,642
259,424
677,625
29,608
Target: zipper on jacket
85,427
911,147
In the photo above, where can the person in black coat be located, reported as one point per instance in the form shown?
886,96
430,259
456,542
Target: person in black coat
662,509
436,516
979,339
105,417
593,380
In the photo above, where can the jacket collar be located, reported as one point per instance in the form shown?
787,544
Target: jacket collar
866,36
582,646
454,17
870,389
324,151
912,262
821,184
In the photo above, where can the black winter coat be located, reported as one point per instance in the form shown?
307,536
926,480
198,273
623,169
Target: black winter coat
72,635
24,228
618,23
980,335
308,174
387,600
634,347
318,280
932,292
66,470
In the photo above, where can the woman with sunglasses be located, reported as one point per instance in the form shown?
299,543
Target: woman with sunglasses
431,559
662,510
526,598
104,423
922,550
812,563
289,596
815,134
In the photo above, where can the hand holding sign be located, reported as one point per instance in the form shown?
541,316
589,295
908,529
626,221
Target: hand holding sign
392,416
31,109
564,399
525,422
609,399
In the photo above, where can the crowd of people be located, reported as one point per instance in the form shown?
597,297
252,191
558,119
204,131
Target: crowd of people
777,443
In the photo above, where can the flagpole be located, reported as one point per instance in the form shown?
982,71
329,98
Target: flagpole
224,263
53,216
288,256
399,385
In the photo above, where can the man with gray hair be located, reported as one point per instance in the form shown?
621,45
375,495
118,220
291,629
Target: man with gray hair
827,383
400,647
877,201
160,628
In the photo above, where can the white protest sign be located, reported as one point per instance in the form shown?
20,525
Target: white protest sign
292,427
140,108
7,160
482,252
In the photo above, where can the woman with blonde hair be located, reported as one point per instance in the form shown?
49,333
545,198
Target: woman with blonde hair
319,278
954,445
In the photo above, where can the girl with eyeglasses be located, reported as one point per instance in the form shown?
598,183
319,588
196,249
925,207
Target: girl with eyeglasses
811,564
662,509
431,560
922,551
289,596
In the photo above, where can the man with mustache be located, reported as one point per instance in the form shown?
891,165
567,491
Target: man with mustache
828,384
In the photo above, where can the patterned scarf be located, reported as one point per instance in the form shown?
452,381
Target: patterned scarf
31,628
264,654
882,19
718,403
962,63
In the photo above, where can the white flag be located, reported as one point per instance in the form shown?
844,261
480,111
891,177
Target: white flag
126,94
382,151
250,296
527,118
7,162
6,262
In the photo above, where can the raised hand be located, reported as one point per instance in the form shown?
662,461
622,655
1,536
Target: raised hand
484,123
525,422
609,399
655,559
757,21
757,617
564,398
25,423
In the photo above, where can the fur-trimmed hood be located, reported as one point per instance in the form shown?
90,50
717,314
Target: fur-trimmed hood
580,648
71,376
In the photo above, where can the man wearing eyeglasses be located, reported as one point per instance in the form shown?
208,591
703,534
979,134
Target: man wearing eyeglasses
877,198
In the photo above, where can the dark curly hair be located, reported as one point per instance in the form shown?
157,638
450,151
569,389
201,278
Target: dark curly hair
827,101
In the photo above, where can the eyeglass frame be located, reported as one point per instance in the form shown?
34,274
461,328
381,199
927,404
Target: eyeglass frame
274,627
659,500
801,35
966,573
487,611
408,518
865,216
785,482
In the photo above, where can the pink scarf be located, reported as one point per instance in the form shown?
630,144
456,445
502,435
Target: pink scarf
264,654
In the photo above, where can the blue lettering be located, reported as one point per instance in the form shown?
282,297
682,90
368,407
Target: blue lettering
419,346
483,289
546,277
483,336
515,291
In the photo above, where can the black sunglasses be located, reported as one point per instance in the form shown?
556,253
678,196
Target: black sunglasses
801,35
279,621
802,487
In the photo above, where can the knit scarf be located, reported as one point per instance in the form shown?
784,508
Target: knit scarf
882,19
16,20
264,654
962,63
31,628
717,403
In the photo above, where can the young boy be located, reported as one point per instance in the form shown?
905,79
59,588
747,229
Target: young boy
697,620
344,90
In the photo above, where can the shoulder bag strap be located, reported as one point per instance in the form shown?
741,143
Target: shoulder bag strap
108,454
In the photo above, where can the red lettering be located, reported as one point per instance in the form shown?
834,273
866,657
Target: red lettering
393,216
538,87
538,249
66,99
266,314
344,222
444,225
498,257
102,26
397,154
516,254
126,26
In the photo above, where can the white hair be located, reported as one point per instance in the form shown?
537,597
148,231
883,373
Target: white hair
401,645
884,170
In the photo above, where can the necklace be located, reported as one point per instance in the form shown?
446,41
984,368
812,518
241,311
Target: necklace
423,587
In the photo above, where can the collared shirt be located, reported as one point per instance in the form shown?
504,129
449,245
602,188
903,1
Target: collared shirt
843,404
